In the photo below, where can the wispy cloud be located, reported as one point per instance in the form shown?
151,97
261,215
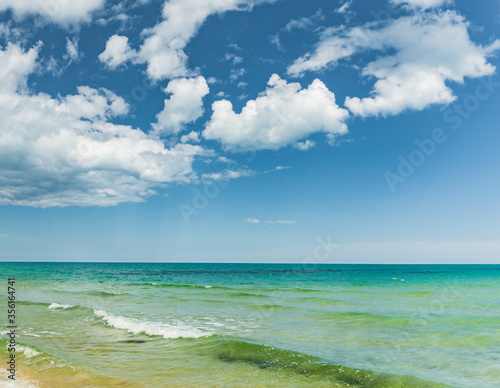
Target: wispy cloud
227,175
305,22
257,221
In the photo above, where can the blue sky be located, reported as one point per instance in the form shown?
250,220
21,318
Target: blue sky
250,130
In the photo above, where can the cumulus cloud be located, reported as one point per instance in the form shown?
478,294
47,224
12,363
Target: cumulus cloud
117,51
64,13
185,104
16,65
282,115
420,53
66,150
163,47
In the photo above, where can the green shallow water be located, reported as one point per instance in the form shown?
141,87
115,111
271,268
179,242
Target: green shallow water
222,325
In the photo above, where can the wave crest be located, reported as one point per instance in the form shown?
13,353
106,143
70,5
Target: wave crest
165,330
60,306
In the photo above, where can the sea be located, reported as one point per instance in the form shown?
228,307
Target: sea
251,325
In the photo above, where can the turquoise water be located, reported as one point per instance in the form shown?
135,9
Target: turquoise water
245,325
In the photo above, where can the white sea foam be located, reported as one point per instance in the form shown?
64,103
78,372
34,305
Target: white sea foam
60,306
32,335
27,351
152,328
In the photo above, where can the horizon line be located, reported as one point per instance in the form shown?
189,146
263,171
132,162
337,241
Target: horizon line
229,262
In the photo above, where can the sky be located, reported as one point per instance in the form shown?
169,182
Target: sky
250,131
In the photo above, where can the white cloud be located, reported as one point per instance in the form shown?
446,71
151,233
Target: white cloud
222,94
185,105
233,58
72,55
345,7
191,136
63,12
227,175
420,54
421,4
236,73
279,168
10,33
304,22
305,145
223,159
275,40
211,80
257,221
66,150
163,47
282,115
117,51
15,66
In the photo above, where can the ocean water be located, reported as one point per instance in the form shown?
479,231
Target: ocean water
254,325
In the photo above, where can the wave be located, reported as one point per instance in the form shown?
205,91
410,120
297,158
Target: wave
173,285
28,351
164,330
51,306
308,290
105,293
244,295
318,301
29,302
92,292
60,306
